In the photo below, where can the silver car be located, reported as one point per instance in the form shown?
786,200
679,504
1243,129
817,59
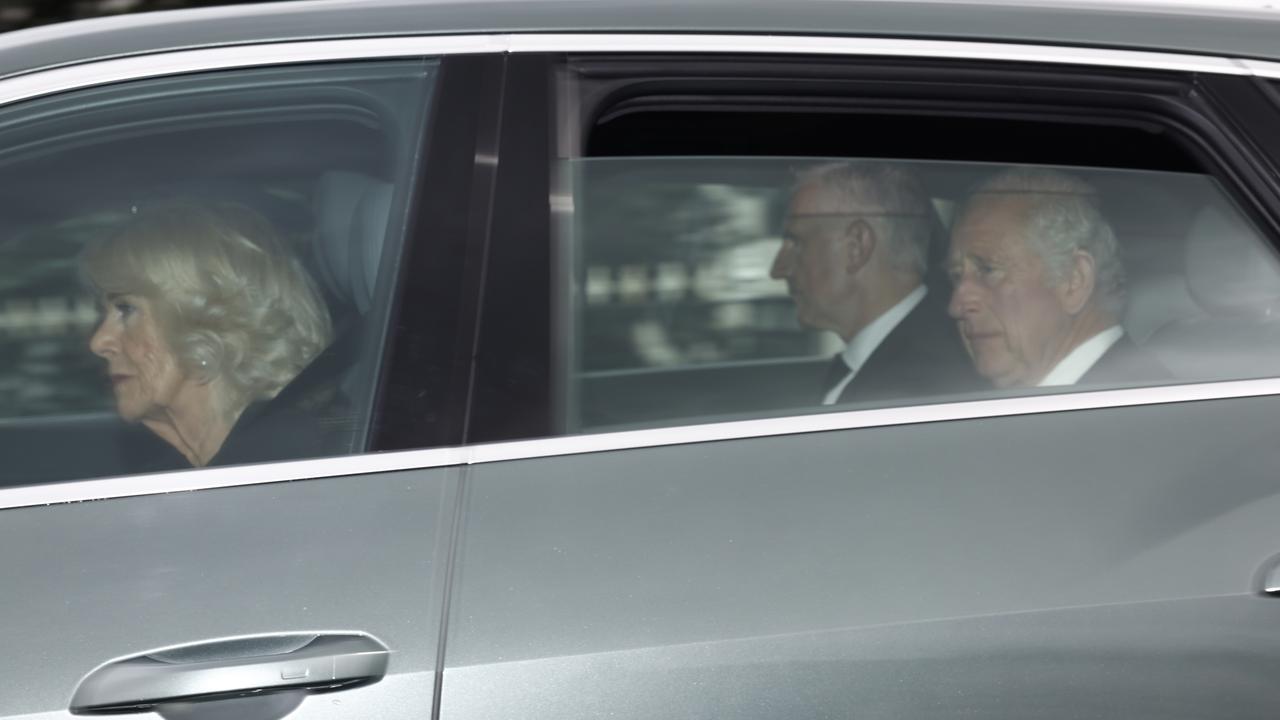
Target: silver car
552,442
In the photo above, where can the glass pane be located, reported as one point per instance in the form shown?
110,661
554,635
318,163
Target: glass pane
191,268
712,288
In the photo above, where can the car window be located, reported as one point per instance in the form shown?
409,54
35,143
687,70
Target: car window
195,270
710,287
734,238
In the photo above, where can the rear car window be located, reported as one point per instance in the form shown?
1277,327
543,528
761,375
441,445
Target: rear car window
691,298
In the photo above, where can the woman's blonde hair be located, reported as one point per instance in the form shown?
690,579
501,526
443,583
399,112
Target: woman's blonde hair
232,301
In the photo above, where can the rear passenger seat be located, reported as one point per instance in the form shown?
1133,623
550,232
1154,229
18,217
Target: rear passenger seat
1233,281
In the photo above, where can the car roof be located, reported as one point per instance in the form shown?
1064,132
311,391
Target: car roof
1245,29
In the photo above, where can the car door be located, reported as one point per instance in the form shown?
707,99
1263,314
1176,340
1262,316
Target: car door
312,585
1051,552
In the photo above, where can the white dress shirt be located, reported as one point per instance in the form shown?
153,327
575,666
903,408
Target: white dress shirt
1071,368
869,338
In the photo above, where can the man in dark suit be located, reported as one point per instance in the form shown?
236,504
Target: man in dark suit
853,255
1038,285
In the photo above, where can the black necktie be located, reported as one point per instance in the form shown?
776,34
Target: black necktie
836,371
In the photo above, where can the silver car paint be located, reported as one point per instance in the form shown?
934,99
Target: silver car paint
85,583
1175,28
1099,562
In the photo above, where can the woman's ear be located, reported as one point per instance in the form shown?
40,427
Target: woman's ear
1075,291
207,365
204,373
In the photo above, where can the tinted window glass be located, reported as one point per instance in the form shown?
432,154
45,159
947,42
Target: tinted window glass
706,288
206,257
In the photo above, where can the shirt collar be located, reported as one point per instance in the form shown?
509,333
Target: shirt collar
869,338
1071,368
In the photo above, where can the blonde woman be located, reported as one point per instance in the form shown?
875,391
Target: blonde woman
207,315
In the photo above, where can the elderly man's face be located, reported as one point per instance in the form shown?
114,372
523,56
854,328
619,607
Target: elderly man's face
1011,315
814,258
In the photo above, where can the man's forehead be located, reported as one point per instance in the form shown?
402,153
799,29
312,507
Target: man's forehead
996,212
992,224
1014,206
817,201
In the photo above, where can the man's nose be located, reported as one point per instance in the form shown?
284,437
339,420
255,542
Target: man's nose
963,298
782,262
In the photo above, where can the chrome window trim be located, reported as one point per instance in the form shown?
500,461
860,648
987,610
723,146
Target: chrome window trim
893,47
221,477
1262,68
35,83
177,62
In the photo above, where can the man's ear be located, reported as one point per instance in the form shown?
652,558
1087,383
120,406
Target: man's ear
1074,291
860,245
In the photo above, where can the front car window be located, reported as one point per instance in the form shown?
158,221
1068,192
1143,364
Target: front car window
209,246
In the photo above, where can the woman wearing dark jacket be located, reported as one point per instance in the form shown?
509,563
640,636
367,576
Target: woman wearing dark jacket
206,317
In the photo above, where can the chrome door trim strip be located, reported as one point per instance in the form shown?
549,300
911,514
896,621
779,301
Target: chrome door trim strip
221,477
1262,68
176,62
35,83
210,478
893,47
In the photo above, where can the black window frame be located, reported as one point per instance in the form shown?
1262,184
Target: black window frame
423,388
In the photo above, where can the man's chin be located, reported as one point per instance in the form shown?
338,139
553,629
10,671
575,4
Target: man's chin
1000,376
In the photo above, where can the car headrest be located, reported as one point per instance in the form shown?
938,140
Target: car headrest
1229,269
1155,301
352,211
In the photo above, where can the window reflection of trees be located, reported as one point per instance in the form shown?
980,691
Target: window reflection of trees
45,318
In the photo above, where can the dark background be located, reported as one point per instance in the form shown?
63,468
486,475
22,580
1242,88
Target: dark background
15,14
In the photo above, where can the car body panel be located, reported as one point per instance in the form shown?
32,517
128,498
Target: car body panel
85,583
804,575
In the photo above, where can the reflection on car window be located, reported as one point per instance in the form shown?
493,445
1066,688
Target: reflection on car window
710,288
190,267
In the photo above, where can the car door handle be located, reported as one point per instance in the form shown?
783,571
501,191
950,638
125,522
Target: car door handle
231,670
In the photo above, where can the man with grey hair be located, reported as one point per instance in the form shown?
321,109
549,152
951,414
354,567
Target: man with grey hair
1038,285
854,253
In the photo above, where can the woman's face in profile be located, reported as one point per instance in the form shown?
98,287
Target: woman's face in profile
145,375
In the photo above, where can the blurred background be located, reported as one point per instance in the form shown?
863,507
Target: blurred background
15,14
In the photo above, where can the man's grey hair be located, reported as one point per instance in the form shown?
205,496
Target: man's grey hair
906,225
1065,216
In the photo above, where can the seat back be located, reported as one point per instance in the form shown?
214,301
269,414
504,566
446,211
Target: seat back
351,215
1234,280
351,212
